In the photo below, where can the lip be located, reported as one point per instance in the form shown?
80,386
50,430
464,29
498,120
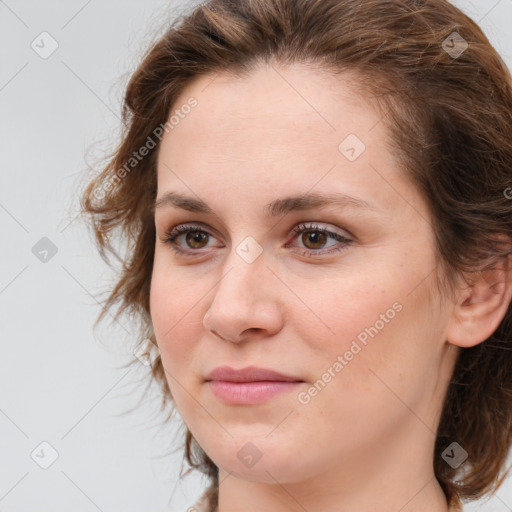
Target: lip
250,385
249,374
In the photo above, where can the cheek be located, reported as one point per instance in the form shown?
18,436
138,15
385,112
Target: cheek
353,307
366,325
174,314
388,349
175,332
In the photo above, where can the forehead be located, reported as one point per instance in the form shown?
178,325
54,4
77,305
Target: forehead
277,127
272,97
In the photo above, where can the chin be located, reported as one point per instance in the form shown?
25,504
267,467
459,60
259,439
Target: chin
258,459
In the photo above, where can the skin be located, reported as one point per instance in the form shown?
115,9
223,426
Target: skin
364,442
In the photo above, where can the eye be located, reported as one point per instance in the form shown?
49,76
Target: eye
314,236
195,236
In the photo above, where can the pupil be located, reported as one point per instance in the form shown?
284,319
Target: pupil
197,237
315,238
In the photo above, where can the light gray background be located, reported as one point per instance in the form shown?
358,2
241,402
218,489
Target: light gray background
61,382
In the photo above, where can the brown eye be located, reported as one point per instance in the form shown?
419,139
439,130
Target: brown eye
315,238
194,239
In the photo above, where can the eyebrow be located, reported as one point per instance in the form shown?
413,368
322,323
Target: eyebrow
275,208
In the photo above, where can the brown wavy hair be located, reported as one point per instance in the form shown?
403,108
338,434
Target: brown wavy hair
451,125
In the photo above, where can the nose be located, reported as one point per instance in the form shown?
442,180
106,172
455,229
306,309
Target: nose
245,301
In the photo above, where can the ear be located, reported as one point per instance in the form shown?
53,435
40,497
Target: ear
481,305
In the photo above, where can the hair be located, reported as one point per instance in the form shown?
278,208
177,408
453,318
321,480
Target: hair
451,127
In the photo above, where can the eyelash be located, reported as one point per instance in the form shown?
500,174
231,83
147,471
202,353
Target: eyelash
176,231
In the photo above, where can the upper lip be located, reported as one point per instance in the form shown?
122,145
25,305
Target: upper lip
248,374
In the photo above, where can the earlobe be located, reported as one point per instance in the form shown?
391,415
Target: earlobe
481,306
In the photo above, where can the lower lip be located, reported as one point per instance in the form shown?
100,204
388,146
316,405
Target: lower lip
246,393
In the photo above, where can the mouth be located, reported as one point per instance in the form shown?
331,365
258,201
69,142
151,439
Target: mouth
249,386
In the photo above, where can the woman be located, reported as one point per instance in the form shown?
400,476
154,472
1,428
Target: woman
316,197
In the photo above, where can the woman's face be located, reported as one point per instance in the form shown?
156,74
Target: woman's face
356,324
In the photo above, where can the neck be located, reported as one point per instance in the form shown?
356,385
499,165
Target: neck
394,474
